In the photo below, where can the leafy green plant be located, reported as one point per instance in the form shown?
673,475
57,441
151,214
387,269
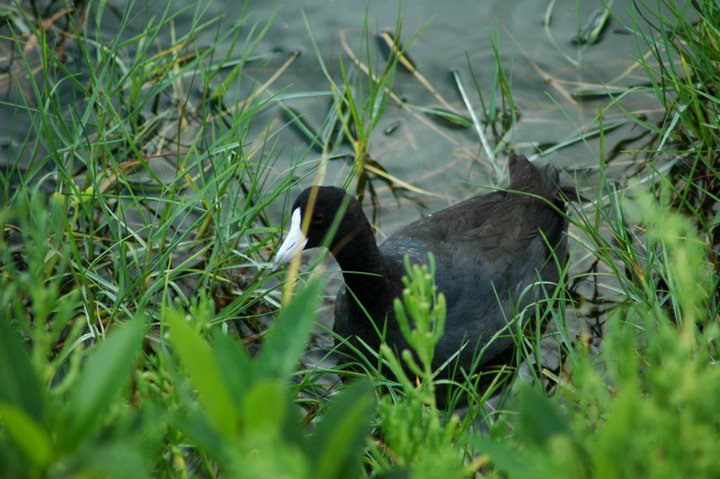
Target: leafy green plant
54,433
245,420
416,436
251,427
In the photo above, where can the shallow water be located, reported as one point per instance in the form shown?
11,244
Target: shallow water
447,162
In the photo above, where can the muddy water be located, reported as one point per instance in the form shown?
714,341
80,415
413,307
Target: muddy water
543,66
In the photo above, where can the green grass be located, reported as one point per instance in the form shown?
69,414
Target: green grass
135,293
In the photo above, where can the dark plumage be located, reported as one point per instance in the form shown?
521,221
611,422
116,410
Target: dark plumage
488,251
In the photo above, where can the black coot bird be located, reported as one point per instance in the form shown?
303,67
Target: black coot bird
490,253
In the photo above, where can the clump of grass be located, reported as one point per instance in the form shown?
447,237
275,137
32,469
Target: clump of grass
685,46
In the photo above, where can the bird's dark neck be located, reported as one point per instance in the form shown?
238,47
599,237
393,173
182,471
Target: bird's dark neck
363,265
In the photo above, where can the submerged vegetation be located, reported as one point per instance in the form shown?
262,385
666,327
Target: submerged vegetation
142,333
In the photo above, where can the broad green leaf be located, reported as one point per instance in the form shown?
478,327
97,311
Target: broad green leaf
205,375
337,443
27,433
540,418
513,463
237,368
265,407
285,341
198,431
115,460
106,372
19,385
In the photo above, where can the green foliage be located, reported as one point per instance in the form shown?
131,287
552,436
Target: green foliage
21,387
48,440
205,374
106,373
419,439
247,420
285,343
253,430
338,441
427,310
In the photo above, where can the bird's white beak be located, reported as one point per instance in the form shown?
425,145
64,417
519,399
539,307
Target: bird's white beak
294,241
